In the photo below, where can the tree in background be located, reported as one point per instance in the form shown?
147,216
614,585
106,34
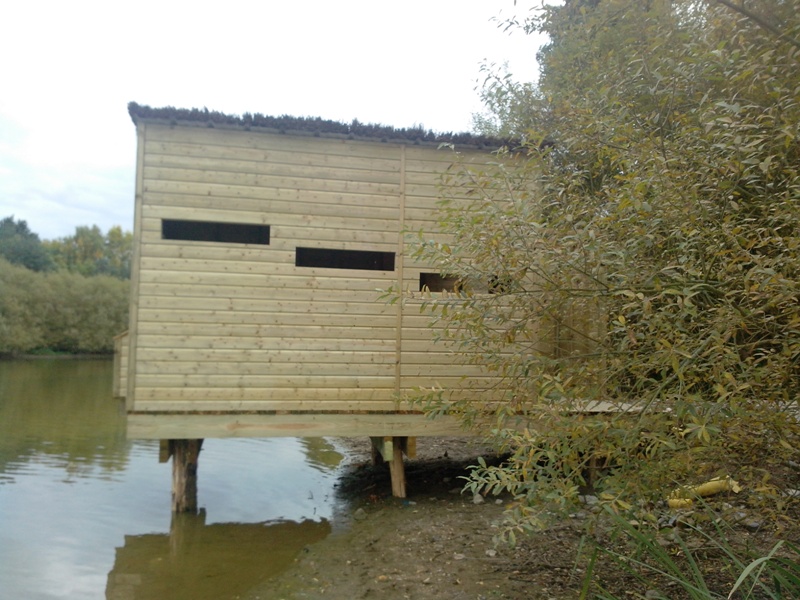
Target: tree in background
20,246
67,295
646,236
89,252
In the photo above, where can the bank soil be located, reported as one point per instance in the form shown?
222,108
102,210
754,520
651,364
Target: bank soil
436,543
439,542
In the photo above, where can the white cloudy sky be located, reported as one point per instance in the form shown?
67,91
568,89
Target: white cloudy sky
67,145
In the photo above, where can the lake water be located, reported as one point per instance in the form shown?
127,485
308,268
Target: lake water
85,513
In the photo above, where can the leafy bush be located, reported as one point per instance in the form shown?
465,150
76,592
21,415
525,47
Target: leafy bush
646,235
21,327
62,312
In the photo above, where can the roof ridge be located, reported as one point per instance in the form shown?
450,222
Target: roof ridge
316,126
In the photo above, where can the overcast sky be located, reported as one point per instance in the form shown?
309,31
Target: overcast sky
68,146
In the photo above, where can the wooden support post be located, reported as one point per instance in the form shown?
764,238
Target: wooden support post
164,450
391,449
185,454
377,459
397,469
382,450
409,446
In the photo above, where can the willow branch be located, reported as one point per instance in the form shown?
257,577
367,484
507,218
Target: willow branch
761,22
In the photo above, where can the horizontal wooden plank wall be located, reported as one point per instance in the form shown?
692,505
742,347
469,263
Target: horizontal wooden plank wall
120,377
423,362
229,327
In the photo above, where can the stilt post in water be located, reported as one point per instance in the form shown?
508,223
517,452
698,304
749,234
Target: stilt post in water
185,454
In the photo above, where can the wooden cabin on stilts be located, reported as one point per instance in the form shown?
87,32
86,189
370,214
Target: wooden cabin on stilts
260,249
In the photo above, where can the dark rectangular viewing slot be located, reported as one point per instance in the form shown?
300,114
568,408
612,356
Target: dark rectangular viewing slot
344,259
211,231
436,282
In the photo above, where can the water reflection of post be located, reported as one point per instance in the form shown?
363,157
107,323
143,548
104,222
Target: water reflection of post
221,560
185,455
184,530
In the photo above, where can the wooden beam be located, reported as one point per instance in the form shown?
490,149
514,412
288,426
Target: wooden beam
185,455
401,243
171,426
133,313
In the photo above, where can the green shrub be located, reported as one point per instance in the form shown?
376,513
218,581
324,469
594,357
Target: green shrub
646,234
60,311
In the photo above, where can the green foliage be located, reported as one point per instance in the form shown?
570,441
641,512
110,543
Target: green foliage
20,246
90,252
61,312
20,312
77,309
646,234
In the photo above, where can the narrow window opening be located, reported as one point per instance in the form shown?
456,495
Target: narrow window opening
499,285
211,231
344,259
436,282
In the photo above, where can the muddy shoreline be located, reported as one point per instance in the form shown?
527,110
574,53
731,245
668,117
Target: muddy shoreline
439,541
436,543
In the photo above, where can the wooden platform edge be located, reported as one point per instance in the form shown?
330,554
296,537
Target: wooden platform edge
197,426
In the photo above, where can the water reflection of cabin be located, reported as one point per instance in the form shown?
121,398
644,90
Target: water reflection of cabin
259,246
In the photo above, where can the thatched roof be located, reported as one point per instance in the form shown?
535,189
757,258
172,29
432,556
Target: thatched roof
304,126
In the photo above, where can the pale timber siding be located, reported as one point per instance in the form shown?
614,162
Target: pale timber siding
237,327
119,386
424,363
